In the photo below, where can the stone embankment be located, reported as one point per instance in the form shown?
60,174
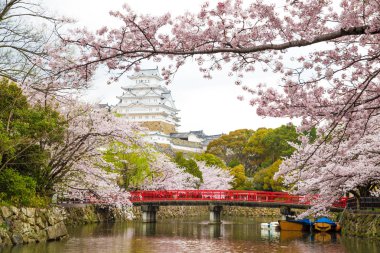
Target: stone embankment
361,225
166,212
86,214
28,225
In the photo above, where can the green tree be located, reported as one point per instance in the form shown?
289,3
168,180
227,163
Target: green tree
230,148
189,164
278,141
26,132
257,147
132,163
17,189
210,160
268,145
240,179
263,180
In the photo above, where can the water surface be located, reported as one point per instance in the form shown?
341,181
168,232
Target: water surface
239,234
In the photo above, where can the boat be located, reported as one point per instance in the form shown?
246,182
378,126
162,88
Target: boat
274,225
295,225
271,225
324,224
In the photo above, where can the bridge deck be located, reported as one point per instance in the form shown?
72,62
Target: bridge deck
227,197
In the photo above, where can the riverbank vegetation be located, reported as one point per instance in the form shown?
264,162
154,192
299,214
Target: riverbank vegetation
256,155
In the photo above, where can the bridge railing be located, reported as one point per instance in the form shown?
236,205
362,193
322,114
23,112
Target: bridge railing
226,195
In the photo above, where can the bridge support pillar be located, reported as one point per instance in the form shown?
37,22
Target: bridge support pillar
149,213
215,213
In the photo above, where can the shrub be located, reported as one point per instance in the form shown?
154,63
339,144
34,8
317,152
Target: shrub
17,189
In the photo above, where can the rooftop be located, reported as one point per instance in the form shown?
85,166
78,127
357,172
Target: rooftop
146,73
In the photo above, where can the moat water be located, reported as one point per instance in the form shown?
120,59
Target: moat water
239,234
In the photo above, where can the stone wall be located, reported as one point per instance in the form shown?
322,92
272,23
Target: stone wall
250,211
361,225
159,126
85,214
166,212
188,211
27,225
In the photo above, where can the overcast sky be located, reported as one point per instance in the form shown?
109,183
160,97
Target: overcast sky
209,105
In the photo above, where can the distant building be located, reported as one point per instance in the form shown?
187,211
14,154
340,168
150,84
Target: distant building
195,136
147,101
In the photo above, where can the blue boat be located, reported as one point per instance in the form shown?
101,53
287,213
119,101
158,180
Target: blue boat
325,224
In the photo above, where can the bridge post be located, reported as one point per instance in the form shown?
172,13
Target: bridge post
149,213
215,212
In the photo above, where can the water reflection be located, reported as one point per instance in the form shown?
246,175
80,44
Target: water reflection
215,230
148,229
287,236
270,234
196,235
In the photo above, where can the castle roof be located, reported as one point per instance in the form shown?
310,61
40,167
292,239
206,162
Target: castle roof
199,134
146,73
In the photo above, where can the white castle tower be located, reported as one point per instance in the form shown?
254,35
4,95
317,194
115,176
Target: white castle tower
147,101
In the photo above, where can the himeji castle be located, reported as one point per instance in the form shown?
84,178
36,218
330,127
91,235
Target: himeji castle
146,100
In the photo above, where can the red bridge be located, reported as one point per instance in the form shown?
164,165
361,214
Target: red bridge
150,201
226,197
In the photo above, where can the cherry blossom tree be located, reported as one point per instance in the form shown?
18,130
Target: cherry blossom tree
77,164
331,84
214,178
47,70
140,166
166,175
20,42
32,54
355,169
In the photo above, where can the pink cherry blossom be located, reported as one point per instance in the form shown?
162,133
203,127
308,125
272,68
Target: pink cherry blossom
214,178
333,83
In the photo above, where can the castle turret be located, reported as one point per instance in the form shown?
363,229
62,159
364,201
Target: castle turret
146,100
